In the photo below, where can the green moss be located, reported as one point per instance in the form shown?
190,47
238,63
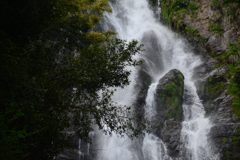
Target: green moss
234,90
232,153
236,143
228,155
225,140
214,87
233,53
180,76
172,97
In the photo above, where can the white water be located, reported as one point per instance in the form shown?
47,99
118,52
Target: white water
133,19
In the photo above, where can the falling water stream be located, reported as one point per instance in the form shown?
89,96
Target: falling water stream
133,19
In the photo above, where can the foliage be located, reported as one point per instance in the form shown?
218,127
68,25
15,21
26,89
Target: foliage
55,73
215,5
227,2
231,60
233,53
234,141
234,90
215,28
192,31
214,87
174,11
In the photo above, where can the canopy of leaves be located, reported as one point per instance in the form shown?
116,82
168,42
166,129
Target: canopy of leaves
55,73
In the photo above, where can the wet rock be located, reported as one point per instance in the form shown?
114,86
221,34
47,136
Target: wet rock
169,99
140,90
171,136
169,95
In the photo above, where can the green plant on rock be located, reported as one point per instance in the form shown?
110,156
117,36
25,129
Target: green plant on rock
232,60
233,53
192,31
215,5
230,13
171,100
174,11
214,87
215,28
235,148
236,143
191,8
225,140
234,90
228,2
228,155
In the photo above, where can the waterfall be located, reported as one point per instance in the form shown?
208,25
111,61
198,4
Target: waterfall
133,19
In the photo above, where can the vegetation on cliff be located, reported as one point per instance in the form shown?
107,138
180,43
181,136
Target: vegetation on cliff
215,24
175,11
53,67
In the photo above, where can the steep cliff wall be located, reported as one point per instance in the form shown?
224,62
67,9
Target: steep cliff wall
216,23
213,27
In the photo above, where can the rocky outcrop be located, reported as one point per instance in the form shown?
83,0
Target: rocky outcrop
168,101
217,23
225,133
141,89
211,26
168,95
212,90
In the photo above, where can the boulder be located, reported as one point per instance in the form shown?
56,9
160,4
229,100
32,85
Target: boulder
168,101
169,95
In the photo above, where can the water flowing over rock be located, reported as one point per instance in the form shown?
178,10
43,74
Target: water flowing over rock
174,88
169,100
169,94
213,26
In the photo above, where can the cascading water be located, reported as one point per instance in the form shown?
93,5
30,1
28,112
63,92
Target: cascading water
133,19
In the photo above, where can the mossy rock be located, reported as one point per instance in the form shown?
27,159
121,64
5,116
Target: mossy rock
169,95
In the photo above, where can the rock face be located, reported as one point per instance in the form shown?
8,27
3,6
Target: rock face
212,90
212,26
216,23
169,93
225,131
168,101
